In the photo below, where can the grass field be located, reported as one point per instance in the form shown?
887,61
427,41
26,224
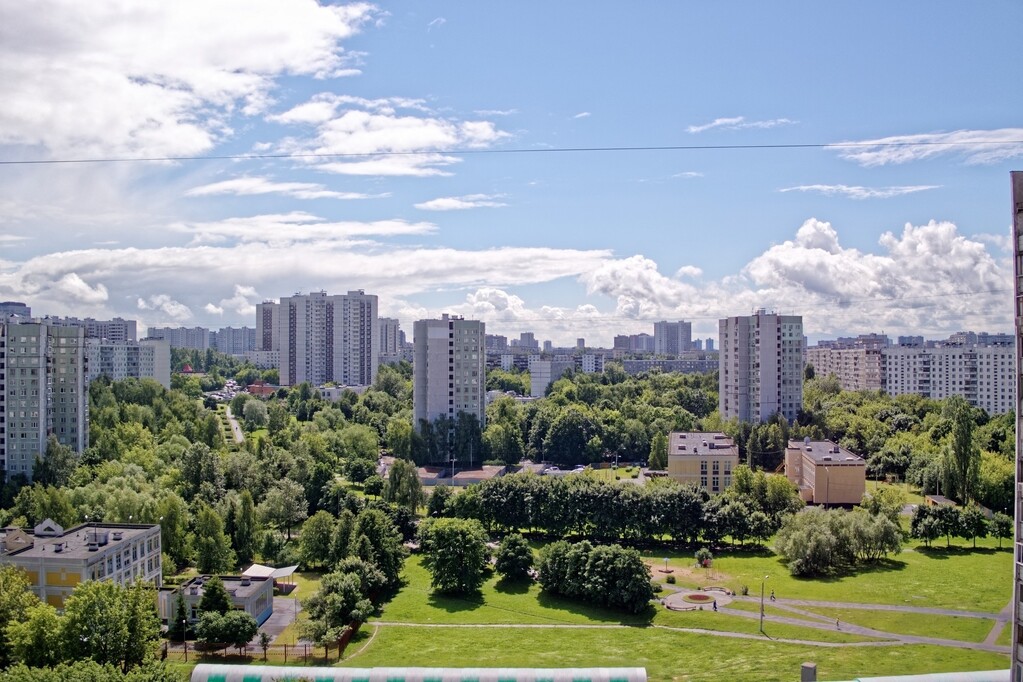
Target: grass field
956,578
488,630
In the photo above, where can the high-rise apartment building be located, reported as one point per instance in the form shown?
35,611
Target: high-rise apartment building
42,392
117,329
390,331
323,338
761,366
268,326
672,338
984,375
195,338
16,308
855,362
117,360
448,369
1017,583
234,340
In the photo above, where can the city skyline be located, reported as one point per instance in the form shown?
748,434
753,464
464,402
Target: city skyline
489,221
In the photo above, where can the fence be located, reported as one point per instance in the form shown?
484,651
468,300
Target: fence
307,654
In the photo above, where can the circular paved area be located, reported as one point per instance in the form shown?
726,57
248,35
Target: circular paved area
678,601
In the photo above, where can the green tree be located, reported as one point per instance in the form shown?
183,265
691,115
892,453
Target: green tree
212,546
973,524
373,486
234,628
36,641
111,624
382,545
173,513
403,487
215,598
57,464
455,551
658,452
284,506
1001,527
962,458
16,598
177,628
438,500
514,557
202,473
338,602
255,414
244,540
399,437
316,537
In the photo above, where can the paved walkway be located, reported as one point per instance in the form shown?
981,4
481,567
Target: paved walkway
236,428
285,612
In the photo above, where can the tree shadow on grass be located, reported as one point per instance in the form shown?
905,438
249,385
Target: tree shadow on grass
594,613
512,586
455,603
885,565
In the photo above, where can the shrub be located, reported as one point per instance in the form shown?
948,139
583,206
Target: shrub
671,580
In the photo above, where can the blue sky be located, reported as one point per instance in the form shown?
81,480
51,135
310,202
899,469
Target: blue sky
905,238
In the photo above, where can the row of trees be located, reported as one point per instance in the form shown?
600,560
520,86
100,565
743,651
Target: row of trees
605,575
930,523
578,505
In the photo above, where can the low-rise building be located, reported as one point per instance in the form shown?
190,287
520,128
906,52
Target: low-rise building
704,459
56,560
254,595
825,473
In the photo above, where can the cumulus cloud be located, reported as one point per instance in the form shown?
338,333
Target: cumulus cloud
135,91
246,186
387,136
461,203
738,123
242,303
973,146
174,310
857,192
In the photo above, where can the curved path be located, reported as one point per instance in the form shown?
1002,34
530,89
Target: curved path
236,428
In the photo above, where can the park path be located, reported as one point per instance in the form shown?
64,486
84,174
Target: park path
236,428
1003,618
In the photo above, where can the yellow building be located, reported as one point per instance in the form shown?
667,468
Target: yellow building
825,473
56,560
704,459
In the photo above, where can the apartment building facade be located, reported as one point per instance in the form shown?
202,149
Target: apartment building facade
984,375
117,360
448,369
704,459
761,366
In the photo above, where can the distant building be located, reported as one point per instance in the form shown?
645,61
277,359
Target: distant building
761,368
580,343
234,340
56,560
709,345
857,369
14,308
543,373
495,343
117,360
389,336
194,338
263,359
672,338
690,362
984,375
323,338
703,459
825,473
116,330
449,369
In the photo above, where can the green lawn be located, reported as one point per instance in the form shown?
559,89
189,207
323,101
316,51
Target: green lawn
913,495
721,622
1005,639
925,625
306,584
666,654
956,578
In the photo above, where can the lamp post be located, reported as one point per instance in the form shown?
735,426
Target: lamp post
827,488
184,636
762,603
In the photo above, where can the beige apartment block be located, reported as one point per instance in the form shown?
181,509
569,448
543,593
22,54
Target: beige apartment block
704,459
56,560
825,473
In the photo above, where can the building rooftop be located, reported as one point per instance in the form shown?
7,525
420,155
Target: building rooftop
48,539
239,586
688,443
826,452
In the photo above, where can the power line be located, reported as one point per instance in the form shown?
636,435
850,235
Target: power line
515,150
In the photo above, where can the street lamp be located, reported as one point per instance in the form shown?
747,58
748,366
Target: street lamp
762,603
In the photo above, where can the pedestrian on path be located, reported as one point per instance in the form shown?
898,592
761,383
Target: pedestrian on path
837,626
772,595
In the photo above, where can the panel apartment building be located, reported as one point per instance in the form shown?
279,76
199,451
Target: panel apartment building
1017,582
984,375
761,366
322,338
42,391
448,369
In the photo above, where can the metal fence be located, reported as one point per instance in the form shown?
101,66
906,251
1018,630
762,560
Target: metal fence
307,654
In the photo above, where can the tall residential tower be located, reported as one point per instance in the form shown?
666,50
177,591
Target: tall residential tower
449,369
761,366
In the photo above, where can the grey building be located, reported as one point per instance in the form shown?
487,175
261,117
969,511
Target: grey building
448,369
761,366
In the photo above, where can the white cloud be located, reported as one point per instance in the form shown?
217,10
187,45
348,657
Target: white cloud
689,271
212,309
135,91
242,303
438,22
280,230
739,123
583,114
973,146
387,136
857,192
688,174
175,310
461,203
12,238
495,112
245,186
